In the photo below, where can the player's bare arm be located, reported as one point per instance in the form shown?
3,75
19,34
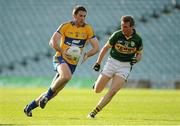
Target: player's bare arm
103,52
95,48
54,41
101,55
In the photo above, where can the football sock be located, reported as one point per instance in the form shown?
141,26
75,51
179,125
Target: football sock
32,105
96,110
49,94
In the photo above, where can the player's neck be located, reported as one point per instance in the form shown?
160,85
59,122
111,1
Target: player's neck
79,24
128,36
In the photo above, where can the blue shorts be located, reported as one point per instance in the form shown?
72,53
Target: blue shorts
60,60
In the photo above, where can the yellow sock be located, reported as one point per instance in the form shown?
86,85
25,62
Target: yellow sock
96,110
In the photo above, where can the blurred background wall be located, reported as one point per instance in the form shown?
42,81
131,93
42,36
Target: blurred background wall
27,25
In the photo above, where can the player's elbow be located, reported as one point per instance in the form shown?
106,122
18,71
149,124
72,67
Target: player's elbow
95,45
52,44
96,49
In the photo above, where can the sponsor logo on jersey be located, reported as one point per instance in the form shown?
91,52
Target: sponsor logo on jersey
75,41
119,41
124,49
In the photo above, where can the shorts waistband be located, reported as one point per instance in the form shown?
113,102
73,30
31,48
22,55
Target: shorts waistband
126,62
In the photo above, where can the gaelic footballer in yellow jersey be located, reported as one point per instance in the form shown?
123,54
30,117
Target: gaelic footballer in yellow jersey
72,35
77,33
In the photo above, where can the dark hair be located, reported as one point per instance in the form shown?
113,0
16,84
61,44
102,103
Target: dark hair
78,8
128,18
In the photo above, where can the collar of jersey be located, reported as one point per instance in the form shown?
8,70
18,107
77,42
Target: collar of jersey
73,23
134,31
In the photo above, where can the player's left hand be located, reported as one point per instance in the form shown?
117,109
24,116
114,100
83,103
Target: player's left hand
133,61
85,57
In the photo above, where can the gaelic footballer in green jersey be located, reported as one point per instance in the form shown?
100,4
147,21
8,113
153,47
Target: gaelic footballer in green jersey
126,48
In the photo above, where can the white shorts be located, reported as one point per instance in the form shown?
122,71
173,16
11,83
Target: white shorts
115,67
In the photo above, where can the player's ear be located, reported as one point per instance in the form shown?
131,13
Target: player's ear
74,16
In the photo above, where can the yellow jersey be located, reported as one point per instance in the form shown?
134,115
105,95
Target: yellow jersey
73,35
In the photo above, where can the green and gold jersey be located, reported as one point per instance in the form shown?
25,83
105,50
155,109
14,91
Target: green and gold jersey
124,49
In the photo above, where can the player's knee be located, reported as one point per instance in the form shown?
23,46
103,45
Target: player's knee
66,78
97,90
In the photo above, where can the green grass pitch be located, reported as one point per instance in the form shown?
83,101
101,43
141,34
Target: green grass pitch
71,106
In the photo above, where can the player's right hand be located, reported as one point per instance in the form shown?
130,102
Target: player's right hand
85,57
67,55
96,67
